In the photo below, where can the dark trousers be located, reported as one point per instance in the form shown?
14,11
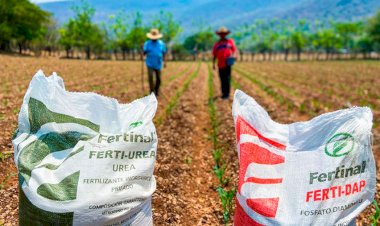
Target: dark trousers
154,86
225,80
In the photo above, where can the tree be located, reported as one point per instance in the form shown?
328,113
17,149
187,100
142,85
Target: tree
347,32
67,39
365,46
7,8
238,37
190,45
21,21
200,41
298,38
98,40
81,32
265,38
85,32
137,34
166,24
285,39
205,40
253,48
373,29
329,41
120,30
51,37
179,51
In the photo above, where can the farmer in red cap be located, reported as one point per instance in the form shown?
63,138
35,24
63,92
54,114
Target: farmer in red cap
225,51
155,51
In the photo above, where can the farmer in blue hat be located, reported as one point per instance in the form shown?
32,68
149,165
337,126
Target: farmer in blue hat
225,52
155,51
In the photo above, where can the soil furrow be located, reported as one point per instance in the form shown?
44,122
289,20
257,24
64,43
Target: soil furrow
186,187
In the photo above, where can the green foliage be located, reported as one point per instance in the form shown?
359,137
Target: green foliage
331,37
329,40
67,39
188,160
217,154
373,28
24,24
347,32
21,21
4,156
202,40
137,34
226,198
166,24
376,217
51,37
364,45
179,51
81,32
219,172
120,32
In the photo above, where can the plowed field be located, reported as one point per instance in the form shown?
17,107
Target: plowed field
193,124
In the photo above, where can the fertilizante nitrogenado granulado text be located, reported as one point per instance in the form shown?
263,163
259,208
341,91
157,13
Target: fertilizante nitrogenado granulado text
339,190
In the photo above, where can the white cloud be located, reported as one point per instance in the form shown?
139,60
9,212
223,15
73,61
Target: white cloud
46,1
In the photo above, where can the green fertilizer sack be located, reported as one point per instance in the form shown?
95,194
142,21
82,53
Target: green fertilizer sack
82,158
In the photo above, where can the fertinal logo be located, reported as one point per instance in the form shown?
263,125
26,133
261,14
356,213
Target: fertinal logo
340,145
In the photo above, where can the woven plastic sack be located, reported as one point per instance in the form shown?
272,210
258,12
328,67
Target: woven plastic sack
82,158
319,172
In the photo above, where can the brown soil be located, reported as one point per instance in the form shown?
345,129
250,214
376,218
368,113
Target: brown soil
105,77
186,187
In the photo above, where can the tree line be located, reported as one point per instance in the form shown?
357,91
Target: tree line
317,40
24,25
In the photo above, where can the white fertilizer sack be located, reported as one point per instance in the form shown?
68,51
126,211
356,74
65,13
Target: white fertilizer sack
319,172
84,159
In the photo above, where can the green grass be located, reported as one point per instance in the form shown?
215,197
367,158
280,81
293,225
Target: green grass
376,216
219,172
217,154
4,156
226,197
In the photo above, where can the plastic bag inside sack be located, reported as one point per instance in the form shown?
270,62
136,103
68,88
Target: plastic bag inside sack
82,158
319,172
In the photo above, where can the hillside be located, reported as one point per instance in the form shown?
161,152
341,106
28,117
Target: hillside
233,13
343,10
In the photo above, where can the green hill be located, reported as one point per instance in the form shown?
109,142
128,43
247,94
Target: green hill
232,13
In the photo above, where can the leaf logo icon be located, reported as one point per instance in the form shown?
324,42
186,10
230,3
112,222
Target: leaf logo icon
340,145
135,124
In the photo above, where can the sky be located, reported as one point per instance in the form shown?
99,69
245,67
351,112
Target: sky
44,1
